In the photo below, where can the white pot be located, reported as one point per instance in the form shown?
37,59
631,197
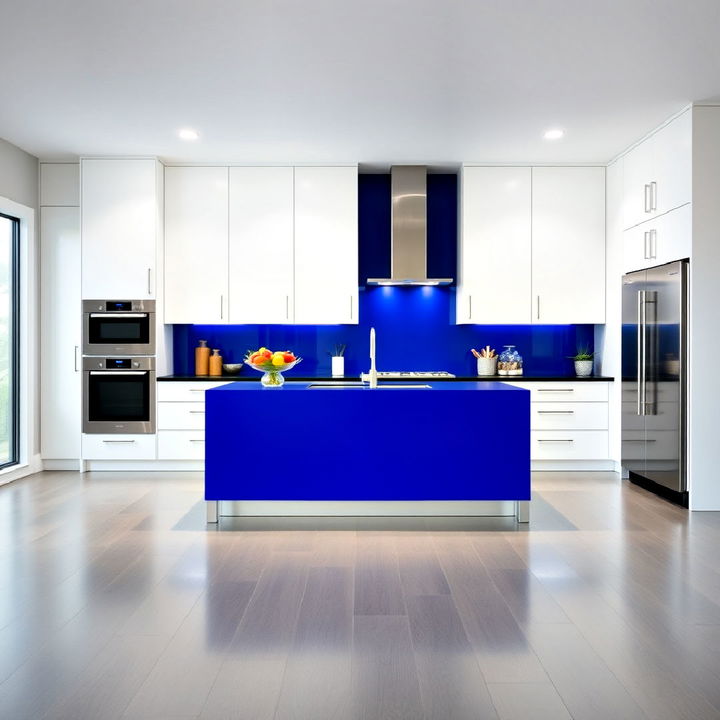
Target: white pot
338,366
583,368
487,366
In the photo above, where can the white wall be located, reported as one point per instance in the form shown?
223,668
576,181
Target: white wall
19,181
18,175
704,390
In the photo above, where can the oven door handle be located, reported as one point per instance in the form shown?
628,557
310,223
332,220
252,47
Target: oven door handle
120,372
118,315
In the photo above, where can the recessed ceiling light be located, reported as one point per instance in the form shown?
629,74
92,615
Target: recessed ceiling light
554,134
188,134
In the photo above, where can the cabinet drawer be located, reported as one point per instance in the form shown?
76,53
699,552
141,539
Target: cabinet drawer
185,391
666,418
181,416
181,445
569,416
118,447
565,391
569,445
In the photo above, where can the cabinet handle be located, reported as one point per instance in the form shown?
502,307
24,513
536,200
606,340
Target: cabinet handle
118,442
287,307
538,307
648,206
197,389
191,440
556,412
149,286
642,440
221,306
653,195
196,412
645,245
556,441
652,236
469,307
556,389
77,347
351,307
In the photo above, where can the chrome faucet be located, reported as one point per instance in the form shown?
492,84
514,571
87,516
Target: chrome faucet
373,370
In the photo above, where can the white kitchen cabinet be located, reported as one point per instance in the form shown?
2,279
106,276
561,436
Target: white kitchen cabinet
658,172
196,245
61,328
495,246
119,447
60,184
120,201
261,257
661,240
326,245
568,245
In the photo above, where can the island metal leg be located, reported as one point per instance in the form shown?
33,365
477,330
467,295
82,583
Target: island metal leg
212,511
522,511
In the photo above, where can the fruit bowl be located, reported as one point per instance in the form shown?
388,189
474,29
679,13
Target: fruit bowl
272,365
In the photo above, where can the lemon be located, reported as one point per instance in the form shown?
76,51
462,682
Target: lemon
278,360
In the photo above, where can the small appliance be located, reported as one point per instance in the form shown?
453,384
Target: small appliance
122,327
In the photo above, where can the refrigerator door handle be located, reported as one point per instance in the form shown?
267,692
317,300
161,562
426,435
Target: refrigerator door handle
641,352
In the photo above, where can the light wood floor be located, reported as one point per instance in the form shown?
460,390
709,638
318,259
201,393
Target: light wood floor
116,601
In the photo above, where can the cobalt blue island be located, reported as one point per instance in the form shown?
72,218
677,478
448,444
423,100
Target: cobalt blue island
451,446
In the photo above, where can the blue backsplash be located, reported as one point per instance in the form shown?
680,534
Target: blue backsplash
415,325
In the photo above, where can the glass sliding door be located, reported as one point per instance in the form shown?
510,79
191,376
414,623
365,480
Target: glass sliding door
9,342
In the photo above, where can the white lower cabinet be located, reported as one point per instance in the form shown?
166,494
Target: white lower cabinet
181,445
119,447
181,419
569,421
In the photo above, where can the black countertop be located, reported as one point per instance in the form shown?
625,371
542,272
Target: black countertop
470,378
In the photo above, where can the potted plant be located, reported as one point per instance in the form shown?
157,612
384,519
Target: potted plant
583,360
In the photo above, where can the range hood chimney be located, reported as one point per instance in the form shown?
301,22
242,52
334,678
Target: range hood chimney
408,244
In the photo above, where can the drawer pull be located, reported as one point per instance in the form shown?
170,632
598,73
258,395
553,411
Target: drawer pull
556,441
197,389
555,412
119,442
191,440
196,412
556,389
647,440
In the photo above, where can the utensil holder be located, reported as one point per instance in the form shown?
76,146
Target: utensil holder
487,366
337,364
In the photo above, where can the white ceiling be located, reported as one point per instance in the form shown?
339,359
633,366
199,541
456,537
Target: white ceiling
369,81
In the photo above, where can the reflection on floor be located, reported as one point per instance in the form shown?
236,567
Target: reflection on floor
118,602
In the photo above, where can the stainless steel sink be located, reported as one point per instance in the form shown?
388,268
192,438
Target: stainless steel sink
334,384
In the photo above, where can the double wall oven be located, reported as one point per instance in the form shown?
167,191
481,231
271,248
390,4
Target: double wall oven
118,366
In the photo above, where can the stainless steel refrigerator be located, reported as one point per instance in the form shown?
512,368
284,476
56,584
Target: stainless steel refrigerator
654,379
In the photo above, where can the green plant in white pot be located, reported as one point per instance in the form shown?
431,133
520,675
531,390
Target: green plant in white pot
583,360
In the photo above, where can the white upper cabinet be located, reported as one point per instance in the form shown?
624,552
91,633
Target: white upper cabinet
59,184
196,245
495,255
261,263
120,201
658,172
568,245
662,240
326,245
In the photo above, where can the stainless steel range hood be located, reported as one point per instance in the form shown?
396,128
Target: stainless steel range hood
408,244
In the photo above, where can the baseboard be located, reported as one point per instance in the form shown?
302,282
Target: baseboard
355,508
32,466
72,465
577,465
145,465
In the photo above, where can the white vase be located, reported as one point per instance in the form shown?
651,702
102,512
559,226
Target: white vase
583,368
338,366
487,366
